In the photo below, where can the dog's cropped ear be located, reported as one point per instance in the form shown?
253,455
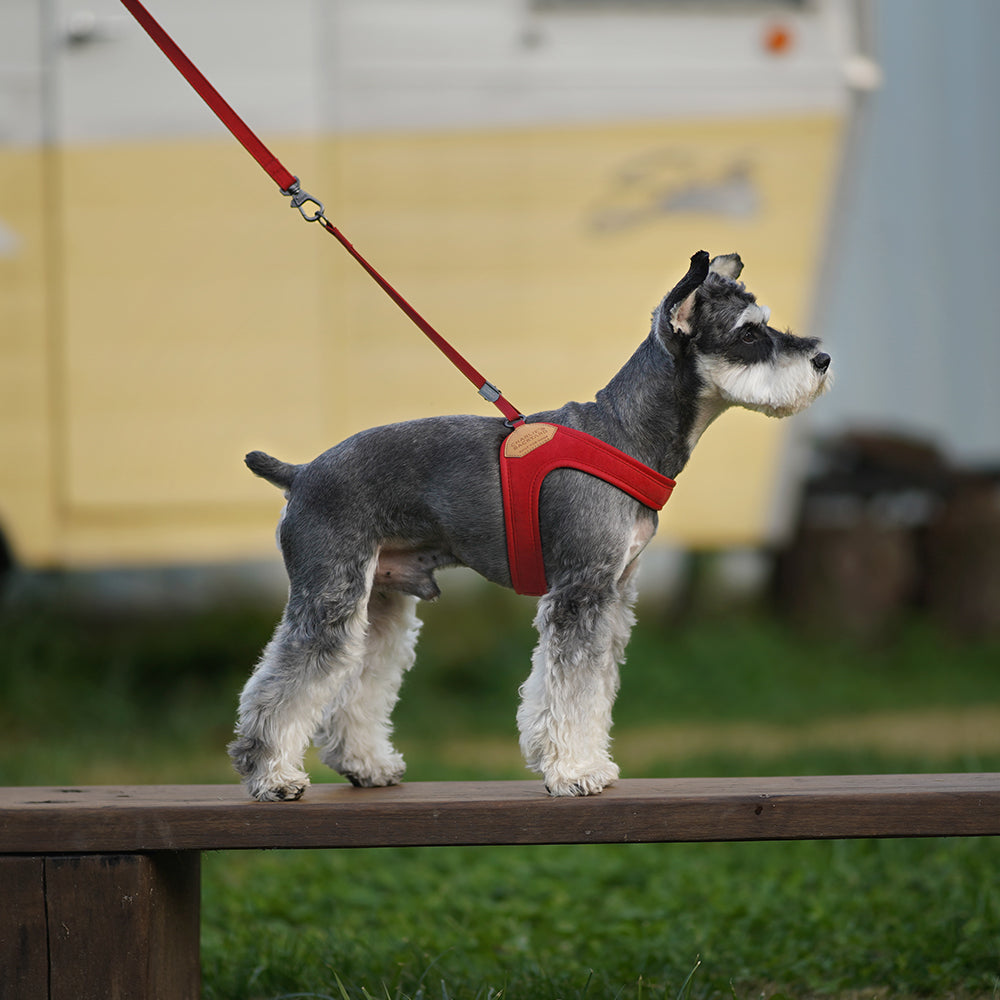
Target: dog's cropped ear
727,266
673,317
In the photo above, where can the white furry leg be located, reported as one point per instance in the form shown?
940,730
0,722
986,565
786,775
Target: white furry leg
355,738
565,713
315,650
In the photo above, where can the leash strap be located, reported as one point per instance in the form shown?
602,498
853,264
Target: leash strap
527,456
310,208
486,389
211,96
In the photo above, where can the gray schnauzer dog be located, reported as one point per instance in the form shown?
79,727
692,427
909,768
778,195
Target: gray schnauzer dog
368,522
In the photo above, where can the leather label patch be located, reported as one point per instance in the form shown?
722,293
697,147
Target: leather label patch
525,438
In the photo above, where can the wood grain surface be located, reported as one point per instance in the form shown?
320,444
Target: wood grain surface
40,820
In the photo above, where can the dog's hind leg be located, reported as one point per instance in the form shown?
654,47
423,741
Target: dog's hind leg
565,712
317,647
356,736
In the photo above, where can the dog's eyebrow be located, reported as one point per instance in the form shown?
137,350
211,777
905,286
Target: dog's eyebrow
754,315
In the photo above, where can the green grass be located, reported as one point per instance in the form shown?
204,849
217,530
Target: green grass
94,697
883,918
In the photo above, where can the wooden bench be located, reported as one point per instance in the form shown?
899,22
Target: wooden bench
101,885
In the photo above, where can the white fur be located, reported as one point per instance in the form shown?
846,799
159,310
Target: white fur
754,315
281,709
778,388
565,713
355,738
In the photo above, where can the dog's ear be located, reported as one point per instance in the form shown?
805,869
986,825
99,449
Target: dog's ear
727,265
672,319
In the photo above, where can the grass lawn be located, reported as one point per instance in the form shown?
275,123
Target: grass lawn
94,697
801,919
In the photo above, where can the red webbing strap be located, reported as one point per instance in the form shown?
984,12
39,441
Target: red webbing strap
211,96
527,456
289,185
485,388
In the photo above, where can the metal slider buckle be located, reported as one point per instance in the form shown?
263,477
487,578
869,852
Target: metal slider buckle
489,392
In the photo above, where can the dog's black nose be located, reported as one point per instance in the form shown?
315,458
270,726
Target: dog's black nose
821,362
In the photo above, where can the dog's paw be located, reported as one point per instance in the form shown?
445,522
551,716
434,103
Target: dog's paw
264,782
592,783
364,773
277,786
287,791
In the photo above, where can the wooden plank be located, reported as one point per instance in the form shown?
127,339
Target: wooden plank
123,926
24,970
210,817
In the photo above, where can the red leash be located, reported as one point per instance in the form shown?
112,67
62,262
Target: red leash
526,456
289,185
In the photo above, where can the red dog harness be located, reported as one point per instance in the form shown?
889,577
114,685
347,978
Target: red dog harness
527,456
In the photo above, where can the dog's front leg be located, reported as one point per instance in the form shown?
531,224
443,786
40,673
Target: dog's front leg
565,713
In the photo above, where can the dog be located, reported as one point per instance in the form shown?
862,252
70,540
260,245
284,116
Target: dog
367,524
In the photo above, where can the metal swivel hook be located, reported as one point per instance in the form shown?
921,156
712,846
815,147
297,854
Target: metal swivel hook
301,199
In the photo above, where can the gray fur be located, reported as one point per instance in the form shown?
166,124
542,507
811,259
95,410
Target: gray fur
368,522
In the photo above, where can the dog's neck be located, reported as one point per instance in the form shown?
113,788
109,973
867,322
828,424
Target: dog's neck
656,408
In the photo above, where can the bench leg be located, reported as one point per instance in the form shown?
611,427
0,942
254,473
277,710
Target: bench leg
101,926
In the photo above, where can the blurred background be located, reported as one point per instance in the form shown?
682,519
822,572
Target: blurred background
533,175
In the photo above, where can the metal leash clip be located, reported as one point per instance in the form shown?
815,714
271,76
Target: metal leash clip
300,199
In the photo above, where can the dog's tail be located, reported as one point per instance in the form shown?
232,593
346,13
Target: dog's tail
281,474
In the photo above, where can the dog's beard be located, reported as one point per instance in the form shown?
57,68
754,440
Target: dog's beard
777,388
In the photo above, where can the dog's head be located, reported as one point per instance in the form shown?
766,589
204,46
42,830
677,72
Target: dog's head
711,323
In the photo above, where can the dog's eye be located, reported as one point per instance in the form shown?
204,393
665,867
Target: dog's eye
749,336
